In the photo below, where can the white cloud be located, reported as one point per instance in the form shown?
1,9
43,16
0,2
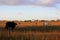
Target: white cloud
29,2
10,2
45,2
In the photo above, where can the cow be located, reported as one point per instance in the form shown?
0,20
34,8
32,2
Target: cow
10,25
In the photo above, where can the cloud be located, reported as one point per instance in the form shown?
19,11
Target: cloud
29,2
45,2
9,2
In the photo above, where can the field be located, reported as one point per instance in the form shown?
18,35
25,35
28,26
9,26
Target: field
31,33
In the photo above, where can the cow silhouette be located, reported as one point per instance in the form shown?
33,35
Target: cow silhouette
10,25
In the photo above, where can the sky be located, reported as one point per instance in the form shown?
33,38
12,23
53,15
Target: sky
29,9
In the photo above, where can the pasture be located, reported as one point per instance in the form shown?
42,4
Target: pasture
31,33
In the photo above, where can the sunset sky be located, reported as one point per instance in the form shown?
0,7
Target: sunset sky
29,9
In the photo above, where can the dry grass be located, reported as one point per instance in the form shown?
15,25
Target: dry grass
33,23
28,35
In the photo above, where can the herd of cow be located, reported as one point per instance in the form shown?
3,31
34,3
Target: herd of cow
11,25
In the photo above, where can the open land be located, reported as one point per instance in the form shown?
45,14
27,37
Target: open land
31,33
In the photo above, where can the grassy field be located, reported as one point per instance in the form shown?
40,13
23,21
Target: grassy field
31,33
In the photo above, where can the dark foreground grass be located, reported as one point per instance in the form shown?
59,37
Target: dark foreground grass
37,28
31,33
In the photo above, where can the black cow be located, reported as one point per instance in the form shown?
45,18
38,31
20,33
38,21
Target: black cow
10,25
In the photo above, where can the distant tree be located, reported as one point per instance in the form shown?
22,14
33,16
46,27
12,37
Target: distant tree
43,20
53,20
58,20
27,21
36,20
